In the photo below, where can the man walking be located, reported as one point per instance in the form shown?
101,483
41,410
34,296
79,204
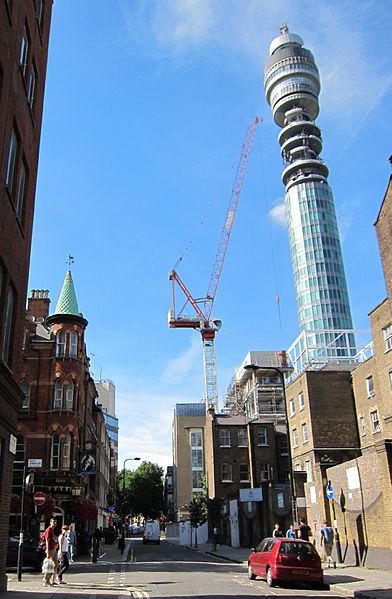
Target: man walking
72,543
63,553
327,536
50,550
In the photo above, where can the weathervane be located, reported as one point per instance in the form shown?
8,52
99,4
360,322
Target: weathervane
70,260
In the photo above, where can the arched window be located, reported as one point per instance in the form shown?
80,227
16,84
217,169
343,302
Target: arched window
60,343
69,396
66,453
58,395
25,388
73,344
55,452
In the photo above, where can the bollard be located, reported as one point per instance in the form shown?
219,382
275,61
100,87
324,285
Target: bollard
94,551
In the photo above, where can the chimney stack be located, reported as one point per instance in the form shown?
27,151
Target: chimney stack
38,303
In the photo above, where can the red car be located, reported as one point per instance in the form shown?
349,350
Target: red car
285,560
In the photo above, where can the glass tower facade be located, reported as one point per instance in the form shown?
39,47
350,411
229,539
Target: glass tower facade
292,86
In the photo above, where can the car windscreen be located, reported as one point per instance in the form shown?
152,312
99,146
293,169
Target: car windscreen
297,548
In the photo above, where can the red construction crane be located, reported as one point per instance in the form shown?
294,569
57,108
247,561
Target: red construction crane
203,306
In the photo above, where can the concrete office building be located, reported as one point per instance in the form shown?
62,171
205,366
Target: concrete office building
292,86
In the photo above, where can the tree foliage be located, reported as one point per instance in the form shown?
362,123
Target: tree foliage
143,491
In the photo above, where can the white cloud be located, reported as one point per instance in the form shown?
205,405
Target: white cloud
278,214
178,369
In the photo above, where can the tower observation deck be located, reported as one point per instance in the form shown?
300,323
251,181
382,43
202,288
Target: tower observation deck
292,87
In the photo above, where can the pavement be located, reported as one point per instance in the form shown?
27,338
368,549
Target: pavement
346,580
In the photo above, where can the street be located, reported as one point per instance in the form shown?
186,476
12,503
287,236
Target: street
156,571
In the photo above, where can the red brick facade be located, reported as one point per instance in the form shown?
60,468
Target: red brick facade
24,36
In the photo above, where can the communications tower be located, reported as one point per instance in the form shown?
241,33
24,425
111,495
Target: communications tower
292,87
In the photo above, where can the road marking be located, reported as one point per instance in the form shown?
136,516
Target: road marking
140,594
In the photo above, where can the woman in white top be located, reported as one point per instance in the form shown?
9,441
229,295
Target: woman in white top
63,553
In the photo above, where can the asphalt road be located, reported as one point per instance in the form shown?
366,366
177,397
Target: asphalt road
155,571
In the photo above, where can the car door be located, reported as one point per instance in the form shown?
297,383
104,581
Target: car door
256,557
265,556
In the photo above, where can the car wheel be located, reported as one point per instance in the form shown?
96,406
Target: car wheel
270,579
251,574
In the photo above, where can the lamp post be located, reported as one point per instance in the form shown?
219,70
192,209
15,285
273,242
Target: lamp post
280,371
123,489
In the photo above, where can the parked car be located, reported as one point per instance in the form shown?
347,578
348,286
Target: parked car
285,560
152,532
33,555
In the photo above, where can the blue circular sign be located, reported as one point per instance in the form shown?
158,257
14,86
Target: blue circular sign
329,491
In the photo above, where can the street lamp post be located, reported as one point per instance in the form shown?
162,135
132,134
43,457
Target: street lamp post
123,489
280,372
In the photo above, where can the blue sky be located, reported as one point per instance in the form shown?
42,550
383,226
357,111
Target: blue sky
146,108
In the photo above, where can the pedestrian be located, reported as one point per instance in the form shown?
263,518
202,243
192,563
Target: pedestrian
121,541
290,534
50,551
327,536
216,536
304,530
277,532
63,553
72,543
98,536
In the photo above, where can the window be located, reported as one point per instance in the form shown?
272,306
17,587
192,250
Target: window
11,160
304,433
197,479
369,386
292,407
69,395
39,8
197,458
387,335
227,475
73,344
196,439
55,452
58,395
244,473
280,500
25,388
8,322
224,436
21,191
60,344
264,472
31,86
309,471
66,457
295,438
389,373
301,401
262,437
362,426
24,51
374,419
284,448
242,438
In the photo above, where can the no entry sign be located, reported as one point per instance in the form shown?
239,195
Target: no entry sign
39,498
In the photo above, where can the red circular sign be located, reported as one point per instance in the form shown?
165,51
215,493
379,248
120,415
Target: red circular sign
39,498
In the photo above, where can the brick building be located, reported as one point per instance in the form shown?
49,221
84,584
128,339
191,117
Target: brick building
24,38
365,500
59,422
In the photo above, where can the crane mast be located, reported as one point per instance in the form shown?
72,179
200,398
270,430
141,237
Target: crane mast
202,321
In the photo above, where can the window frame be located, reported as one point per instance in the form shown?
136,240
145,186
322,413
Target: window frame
292,407
242,432
264,472
370,386
6,349
61,340
301,401
244,468
294,433
375,422
31,86
55,455
262,431
25,387
21,190
73,340
24,51
66,452
224,432
387,337
305,432
226,466
58,395
12,159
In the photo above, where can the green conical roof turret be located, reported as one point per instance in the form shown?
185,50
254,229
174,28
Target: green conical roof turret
67,302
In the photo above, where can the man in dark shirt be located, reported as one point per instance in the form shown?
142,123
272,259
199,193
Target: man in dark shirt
304,530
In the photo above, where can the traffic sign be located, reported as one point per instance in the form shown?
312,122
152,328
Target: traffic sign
329,491
39,498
